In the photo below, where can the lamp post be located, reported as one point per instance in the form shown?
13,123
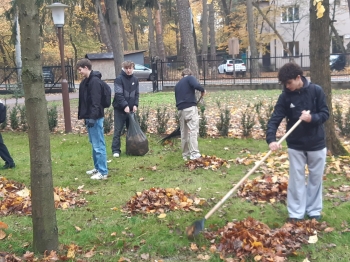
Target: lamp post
58,19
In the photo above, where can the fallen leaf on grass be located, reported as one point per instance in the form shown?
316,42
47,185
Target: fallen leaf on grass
194,247
145,256
124,259
2,234
89,254
77,228
162,215
203,257
3,225
113,234
313,239
329,229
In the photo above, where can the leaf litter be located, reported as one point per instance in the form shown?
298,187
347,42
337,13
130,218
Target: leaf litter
16,198
160,201
251,238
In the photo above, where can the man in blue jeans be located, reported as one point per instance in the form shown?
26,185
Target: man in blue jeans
126,100
91,110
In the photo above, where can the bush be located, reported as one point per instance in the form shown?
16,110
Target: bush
23,117
247,121
263,117
143,119
224,122
162,120
203,129
52,118
13,118
108,121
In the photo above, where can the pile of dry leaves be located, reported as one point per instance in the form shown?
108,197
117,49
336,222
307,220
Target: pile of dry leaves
265,188
207,162
15,198
160,201
251,238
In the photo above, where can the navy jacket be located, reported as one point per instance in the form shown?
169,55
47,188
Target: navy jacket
126,89
185,92
90,90
307,136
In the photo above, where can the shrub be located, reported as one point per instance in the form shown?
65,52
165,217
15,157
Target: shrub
52,117
263,117
162,120
108,121
224,123
13,118
142,118
23,117
247,121
203,123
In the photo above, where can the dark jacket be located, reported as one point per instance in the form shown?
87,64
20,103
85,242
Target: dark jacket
90,90
185,92
126,89
307,136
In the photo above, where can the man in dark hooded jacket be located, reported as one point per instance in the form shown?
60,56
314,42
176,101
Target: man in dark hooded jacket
306,144
91,110
126,100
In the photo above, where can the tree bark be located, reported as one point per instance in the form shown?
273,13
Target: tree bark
319,70
152,43
134,28
103,29
252,41
159,33
122,29
18,49
205,37
183,9
115,34
226,12
212,38
45,232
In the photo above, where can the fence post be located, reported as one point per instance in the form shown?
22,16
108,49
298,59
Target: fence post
161,73
301,60
250,69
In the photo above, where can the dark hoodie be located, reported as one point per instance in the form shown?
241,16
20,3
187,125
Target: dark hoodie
307,136
126,89
90,90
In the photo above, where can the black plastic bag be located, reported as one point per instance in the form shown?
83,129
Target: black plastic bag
136,140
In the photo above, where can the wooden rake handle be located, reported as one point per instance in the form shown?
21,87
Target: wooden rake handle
219,204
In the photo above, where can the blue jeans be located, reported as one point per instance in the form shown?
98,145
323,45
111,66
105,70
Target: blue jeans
97,140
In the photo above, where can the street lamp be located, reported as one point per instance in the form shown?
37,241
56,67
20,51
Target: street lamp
58,19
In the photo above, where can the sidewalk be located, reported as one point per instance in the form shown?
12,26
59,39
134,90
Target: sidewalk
49,97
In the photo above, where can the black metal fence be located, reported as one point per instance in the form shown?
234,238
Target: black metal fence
10,81
169,73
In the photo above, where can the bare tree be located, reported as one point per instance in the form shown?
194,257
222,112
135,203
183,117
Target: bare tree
115,34
103,28
212,38
319,70
152,44
159,33
45,232
183,9
252,41
205,37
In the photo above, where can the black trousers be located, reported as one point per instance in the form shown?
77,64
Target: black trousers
4,153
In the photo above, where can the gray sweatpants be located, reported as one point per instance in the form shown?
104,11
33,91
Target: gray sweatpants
305,197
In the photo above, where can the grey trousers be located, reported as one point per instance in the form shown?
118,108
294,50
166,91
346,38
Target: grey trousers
305,197
189,126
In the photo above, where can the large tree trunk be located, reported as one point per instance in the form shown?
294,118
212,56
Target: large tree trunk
252,41
159,33
227,12
205,37
183,7
45,232
212,39
103,28
122,29
152,43
319,69
134,29
115,34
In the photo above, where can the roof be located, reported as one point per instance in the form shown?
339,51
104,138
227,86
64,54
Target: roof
99,56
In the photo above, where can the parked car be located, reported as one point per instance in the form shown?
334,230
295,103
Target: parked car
232,66
143,72
337,62
48,75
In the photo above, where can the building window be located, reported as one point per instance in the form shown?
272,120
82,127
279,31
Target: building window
293,48
290,14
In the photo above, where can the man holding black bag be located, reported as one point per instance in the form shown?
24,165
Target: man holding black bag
126,100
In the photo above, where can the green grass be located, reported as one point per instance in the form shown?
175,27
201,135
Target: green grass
160,238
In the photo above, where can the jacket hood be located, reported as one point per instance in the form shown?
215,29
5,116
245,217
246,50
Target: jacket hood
126,75
305,85
95,73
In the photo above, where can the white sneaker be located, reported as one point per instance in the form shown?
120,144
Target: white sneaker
99,176
196,156
91,172
116,155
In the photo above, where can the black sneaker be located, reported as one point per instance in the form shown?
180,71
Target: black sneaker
294,220
8,166
315,217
